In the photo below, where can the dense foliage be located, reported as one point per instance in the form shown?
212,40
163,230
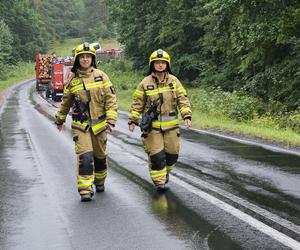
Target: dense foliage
29,26
250,46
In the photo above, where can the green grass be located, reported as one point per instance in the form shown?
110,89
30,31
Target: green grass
24,71
64,48
222,124
21,72
208,109
124,99
109,44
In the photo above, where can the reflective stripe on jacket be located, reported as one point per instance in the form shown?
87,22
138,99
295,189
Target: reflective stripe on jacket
92,87
169,96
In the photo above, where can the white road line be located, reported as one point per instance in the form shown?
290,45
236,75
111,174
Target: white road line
242,141
276,235
250,220
285,223
246,142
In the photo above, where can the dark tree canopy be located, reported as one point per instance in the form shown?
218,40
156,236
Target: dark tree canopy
246,45
28,26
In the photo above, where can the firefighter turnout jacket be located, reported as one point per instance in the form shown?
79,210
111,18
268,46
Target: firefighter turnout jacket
169,96
96,95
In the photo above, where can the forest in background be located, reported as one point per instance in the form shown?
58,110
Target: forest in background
250,46
29,26
245,53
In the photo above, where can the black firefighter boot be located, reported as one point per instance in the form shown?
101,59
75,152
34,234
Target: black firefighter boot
100,188
161,188
86,197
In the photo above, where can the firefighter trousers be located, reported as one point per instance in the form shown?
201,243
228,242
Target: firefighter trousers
91,155
162,148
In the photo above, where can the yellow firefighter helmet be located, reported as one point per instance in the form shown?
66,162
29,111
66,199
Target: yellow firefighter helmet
162,56
159,55
84,48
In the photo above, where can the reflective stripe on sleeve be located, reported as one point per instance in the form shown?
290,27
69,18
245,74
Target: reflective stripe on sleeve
138,93
184,110
135,114
111,113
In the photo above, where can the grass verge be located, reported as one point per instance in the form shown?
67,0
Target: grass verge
18,73
209,117
64,48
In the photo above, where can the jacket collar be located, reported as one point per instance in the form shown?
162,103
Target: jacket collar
154,76
86,73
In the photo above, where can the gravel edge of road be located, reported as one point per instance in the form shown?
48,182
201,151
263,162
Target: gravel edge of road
274,146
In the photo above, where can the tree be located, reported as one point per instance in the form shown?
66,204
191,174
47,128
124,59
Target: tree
6,41
250,45
27,29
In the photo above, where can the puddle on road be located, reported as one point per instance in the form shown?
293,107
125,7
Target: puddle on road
288,162
257,182
14,185
177,218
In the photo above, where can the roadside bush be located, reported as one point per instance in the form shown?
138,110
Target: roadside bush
234,105
212,101
242,107
290,120
121,74
265,121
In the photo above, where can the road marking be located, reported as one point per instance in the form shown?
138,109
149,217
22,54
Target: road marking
231,138
276,235
246,142
275,218
249,219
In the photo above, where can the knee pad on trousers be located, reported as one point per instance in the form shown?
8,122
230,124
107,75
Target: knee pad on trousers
158,161
171,159
100,164
86,163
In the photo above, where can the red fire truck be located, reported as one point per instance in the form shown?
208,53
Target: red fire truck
55,87
109,55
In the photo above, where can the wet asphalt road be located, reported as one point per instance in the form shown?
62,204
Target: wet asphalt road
223,194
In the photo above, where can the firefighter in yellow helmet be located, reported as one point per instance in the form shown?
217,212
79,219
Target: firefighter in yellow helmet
159,98
92,98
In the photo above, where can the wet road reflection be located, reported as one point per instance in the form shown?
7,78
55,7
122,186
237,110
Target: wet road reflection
234,167
177,218
285,162
32,177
